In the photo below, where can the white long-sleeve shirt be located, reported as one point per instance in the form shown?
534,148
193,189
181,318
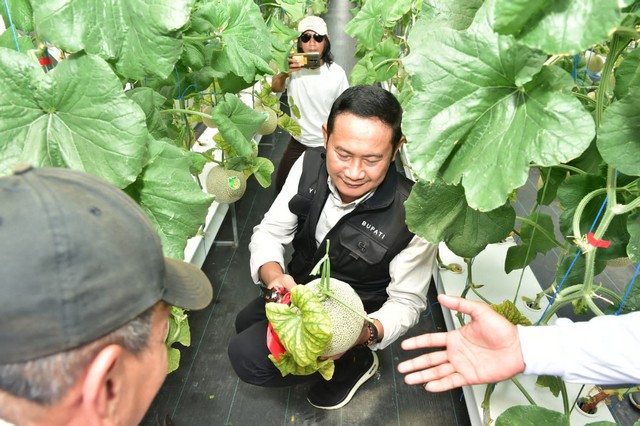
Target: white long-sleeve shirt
410,270
602,351
313,92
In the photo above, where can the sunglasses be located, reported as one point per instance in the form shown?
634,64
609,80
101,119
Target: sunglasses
307,36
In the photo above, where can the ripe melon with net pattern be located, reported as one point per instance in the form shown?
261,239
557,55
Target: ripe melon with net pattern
228,186
346,324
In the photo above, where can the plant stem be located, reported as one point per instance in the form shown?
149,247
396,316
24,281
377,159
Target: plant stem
562,166
184,111
541,230
565,398
523,390
486,404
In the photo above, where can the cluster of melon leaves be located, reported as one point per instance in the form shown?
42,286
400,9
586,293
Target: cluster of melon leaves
304,327
114,103
502,82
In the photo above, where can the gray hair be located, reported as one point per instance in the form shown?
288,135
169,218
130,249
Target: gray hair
48,379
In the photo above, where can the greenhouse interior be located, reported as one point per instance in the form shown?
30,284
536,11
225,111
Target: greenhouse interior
512,181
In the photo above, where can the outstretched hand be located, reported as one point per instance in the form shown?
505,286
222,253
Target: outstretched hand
486,350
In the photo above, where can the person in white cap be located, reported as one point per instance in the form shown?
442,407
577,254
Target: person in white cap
312,90
86,293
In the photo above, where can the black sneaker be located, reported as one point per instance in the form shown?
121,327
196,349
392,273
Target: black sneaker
337,392
634,398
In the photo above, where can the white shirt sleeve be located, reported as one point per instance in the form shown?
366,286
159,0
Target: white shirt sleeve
410,272
278,226
603,350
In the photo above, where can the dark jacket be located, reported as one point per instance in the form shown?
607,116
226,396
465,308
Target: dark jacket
362,243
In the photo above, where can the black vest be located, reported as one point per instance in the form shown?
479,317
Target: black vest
362,243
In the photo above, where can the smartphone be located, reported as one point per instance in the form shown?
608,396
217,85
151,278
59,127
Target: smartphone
307,60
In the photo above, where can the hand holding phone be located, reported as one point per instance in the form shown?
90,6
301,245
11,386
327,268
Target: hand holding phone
304,60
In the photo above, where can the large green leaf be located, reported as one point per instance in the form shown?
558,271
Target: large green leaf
378,65
556,27
304,328
366,25
531,415
142,38
21,15
551,179
533,242
281,38
474,111
628,74
456,14
633,226
237,124
75,116
439,212
296,9
170,196
245,40
619,134
24,42
150,101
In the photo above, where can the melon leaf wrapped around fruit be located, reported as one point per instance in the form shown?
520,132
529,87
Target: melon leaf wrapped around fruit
228,186
325,318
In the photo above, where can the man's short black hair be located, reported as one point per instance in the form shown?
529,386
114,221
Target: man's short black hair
369,102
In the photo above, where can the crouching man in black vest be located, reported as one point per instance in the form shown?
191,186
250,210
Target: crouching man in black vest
351,194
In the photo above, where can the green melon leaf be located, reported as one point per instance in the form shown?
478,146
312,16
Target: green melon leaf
296,9
170,196
289,125
551,178
304,327
128,33
619,135
363,71
628,74
367,25
262,168
501,107
531,415
287,365
281,38
244,39
74,116
237,124
439,212
173,359
633,226
455,14
553,383
24,42
568,26
508,310
21,15
534,241
150,101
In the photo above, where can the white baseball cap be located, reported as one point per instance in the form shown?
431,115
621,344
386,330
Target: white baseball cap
313,23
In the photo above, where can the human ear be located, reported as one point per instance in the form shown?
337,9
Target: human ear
402,141
102,385
325,135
